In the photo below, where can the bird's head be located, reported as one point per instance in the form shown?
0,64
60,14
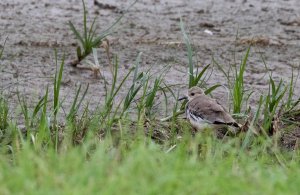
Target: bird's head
193,92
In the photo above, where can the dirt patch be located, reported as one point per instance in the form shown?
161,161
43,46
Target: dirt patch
34,29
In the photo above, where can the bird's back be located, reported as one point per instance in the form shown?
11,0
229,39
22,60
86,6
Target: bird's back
209,110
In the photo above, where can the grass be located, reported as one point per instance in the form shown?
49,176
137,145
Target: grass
194,76
89,38
197,165
122,148
3,113
83,161
272,100
239,95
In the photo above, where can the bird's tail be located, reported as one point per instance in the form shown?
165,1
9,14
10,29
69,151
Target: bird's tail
233,124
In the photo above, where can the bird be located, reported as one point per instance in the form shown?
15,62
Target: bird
205,112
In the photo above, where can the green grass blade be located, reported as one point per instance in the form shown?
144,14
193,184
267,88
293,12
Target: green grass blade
57,84
211,89
76,33
151,96
92,32
3,114
73,107
43,137
290,92
24,110
190,54
199,76
84,22
136,69
243,65
76,104
121,84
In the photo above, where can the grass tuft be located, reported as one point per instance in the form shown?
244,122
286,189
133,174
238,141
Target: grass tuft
239,95
89,38
272,102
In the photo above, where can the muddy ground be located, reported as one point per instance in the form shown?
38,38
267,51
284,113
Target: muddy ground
222,29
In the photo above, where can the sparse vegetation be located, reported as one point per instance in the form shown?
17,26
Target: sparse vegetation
89,39
112,147
123,147
239,95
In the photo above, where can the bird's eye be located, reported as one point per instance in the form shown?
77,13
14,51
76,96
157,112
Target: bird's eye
192,94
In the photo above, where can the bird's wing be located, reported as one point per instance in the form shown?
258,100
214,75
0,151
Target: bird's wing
209,110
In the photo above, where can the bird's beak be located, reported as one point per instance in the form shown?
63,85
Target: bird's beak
182,98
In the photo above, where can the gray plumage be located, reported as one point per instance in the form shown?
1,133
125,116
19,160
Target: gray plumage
202,109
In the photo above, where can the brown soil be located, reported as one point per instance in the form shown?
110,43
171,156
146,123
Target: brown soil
35,28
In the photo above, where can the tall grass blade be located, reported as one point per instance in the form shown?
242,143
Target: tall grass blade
198,77
150,97
76,32
211,89
76,104
189,52
3,113
238,87
43,137
57,84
